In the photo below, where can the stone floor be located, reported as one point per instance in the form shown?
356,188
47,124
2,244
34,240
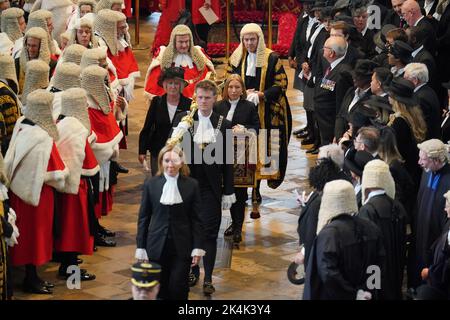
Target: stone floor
257,270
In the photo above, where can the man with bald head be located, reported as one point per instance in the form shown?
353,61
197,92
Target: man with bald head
331,87
413,16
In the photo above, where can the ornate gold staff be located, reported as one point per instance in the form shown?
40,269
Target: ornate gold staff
184,125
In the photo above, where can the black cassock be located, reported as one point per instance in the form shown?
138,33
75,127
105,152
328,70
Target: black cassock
390,216
439,270
430,217
307,223
339,260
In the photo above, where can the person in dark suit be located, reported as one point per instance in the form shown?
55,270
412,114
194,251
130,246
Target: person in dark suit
443,48
417,38
208,164
394,15
360,17
428,7
298,48
414,17
331,87
362,76
160,114
244,117
427,99
169,227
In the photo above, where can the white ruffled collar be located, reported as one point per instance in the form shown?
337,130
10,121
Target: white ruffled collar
170,194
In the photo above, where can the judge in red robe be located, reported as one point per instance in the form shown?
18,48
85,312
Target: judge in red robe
76,215
35,169
180,52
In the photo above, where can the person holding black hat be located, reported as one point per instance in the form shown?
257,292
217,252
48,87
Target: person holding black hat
145,280
377,110
362,75
427,99
408,123
398,57
160,115
354,162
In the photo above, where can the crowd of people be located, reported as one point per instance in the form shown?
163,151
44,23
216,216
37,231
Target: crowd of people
376,97
67,75
376,101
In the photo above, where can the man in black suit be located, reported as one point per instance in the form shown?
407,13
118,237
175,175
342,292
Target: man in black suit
417,37
394,15
427,99
428,7
414,17
206,150
299,46
331,87
360,17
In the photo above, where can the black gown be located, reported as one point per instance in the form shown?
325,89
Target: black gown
390,216
340,257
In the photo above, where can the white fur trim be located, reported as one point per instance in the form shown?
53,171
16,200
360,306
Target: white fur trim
104,151
155,62
90,172
71,146
26,161
56,178
92,137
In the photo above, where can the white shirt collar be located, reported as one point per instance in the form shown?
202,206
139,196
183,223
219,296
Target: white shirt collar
364,31
205,130
357,188
170,193
336,62
251,64
232,109
418,20
415,52
202,117
427,5
373,194
419,86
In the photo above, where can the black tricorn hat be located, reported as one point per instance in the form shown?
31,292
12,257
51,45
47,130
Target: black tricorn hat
401,50
402,90
378,102
364,68
145,274
356,160
172,73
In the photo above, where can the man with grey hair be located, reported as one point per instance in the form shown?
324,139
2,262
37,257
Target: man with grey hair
360,17
331,87
430,217
426,97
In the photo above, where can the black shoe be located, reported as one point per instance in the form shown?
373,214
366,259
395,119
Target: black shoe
308,140
47,284
312,150
36,287
84,275
299,131
101,241
106,232
193,279
118,167
208,288
255,215
303,135
229,231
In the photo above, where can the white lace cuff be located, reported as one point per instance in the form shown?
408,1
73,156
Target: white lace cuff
198,252
228,200
141,254
3,192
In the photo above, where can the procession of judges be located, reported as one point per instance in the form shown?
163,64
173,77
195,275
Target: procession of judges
376,97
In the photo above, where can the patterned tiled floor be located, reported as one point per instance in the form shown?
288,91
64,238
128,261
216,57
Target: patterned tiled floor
257,270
